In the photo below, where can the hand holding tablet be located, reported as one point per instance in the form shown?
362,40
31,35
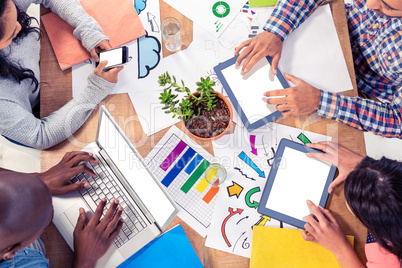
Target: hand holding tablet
293,179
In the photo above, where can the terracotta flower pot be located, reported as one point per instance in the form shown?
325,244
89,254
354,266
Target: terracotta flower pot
227,128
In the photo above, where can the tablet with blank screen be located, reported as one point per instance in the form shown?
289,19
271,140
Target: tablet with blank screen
294,178
246,92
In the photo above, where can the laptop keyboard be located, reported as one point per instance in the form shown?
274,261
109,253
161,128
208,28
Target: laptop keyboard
104,185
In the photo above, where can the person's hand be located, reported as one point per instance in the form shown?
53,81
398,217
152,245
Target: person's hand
92,240
102,46
344,159
322,228
58,177
258,47
110,75
300,99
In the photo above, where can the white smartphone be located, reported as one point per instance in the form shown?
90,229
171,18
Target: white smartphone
115,57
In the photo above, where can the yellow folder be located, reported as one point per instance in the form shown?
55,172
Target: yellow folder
277,247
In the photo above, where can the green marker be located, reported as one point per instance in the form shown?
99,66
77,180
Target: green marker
303,138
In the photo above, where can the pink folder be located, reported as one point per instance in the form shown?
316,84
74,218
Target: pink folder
118,19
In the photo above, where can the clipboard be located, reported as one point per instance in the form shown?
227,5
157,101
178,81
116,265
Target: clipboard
249,89
294,178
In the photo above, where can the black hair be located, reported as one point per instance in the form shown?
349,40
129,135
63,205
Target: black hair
373,192
13,70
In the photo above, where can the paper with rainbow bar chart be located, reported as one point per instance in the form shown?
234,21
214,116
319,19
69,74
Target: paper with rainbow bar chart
179,164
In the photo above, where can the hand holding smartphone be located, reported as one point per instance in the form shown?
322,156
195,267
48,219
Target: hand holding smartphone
115,57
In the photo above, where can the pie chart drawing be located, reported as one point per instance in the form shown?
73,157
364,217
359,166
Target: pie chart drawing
221,9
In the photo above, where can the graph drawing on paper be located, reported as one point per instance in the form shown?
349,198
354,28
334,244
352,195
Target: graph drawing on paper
181,170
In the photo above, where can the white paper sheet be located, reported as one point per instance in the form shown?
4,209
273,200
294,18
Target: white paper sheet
193,209
212,15
313,53
231,230
150,113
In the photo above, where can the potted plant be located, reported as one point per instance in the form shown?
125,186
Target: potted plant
207,114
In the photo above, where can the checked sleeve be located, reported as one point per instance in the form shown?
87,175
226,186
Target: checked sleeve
364,114
288,15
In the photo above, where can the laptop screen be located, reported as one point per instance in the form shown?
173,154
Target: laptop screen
126,160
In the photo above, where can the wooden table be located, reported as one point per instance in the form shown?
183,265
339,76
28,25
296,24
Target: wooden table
56,91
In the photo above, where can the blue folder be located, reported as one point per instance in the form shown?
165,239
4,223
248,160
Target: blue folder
171,249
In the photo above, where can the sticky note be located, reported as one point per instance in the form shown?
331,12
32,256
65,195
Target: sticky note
262,3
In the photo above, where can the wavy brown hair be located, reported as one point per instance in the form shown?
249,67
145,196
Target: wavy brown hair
13,70
373,192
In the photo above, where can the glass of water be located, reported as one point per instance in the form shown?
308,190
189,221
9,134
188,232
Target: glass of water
215,174
171,34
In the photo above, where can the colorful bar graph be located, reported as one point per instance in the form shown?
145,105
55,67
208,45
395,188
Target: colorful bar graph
169,160
193,164
202,185
210,194
178,167
195,176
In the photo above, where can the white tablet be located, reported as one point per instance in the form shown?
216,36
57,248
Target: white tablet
294,178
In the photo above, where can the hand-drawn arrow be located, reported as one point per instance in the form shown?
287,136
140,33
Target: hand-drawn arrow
254,204
250,162
245,244
231,213
234,189
262,221
245,218
244,174
252,144
234,247
263,145
153,23
271,160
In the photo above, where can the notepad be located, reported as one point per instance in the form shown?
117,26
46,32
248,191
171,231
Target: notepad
262,3
276,247
117,18
293,179
246,92
170,250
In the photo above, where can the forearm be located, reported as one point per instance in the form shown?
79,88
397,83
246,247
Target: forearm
65,121
21,126
363,114
85,27
78,263
289,14
347,257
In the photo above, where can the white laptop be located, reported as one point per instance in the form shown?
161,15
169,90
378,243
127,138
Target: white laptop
148,209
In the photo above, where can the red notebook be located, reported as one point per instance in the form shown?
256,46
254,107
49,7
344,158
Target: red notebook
118,19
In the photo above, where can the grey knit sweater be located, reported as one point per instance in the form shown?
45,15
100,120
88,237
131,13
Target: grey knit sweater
16,100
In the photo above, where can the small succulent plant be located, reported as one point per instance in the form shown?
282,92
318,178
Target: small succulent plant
184,108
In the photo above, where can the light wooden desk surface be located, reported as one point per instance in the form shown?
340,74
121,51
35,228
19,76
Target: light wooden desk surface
56,91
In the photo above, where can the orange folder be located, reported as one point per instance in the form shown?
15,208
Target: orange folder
118,19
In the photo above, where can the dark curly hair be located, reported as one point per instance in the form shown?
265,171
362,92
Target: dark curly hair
373,192
13,70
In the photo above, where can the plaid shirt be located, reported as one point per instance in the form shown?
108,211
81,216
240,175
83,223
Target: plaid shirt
376,47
